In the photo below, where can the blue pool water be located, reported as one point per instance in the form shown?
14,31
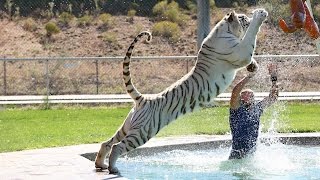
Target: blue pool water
275,161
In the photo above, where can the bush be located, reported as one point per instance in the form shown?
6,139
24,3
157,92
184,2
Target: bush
192,6
65,18
167,29
160,8
169,12
109,37
131,13
85,20
106,19
29,25
51,29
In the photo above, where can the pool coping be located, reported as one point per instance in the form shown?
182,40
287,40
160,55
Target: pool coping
207,142
69,163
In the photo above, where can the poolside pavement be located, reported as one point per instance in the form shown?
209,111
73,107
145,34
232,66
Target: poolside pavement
67,162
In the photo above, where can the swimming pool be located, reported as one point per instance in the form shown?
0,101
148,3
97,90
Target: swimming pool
271,161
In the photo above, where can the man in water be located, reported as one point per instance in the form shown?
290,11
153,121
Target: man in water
245,115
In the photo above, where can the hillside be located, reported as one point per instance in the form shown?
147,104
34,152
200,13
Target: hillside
93,40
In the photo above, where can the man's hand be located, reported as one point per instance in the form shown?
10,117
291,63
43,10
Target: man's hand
274,92
273,72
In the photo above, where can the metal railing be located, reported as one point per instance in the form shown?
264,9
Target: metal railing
124,98
120,58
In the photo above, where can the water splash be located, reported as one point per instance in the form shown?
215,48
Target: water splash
274,122
276,161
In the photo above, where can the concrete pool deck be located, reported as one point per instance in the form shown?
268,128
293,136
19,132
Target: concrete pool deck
69,162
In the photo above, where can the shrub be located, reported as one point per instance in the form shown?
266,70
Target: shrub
192,6
170,12
85,20
109,37
167,29
29,25
8,5
106,19
212,4
51,29
65,18
131,14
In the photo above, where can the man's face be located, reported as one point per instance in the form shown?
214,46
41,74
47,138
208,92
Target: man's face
247,97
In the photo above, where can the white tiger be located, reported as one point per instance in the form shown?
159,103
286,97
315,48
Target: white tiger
228,47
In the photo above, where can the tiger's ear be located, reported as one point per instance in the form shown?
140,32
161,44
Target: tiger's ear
230,16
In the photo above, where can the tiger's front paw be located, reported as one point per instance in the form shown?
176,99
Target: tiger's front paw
259,15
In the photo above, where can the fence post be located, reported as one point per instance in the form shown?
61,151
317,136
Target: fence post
5,77
203,21
187,65
47,78
97,76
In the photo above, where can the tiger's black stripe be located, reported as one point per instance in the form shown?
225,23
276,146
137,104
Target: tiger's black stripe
211,50
218,88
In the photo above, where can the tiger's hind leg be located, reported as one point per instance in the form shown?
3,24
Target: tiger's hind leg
105,149
130,142
107,145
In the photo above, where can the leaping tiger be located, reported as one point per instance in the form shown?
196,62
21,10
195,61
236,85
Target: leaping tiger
228,48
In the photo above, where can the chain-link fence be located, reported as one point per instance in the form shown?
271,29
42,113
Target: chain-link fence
150,75
80,7
109,36
86,76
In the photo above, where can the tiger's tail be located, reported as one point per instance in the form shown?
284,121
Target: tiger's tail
131,90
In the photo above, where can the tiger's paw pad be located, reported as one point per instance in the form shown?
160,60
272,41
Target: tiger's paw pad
101,167
253,67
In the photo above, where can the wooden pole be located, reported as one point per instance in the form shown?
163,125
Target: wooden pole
203,21
47,77
97,76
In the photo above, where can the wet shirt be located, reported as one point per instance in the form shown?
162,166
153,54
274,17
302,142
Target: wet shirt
244,124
